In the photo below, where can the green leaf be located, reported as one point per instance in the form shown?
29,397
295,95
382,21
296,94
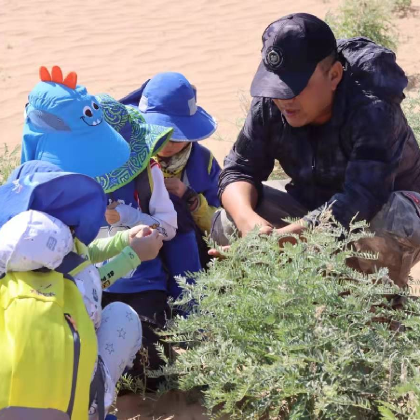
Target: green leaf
270,320
386,413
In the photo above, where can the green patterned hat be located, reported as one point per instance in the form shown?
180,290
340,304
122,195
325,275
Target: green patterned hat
145,141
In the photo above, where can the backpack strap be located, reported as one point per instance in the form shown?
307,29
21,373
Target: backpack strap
143,189
70,262
97,389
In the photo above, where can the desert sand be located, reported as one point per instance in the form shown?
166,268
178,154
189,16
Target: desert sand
114,46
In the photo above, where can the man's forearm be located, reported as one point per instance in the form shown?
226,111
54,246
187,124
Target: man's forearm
240,199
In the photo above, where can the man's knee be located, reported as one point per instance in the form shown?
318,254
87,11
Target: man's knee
397,240
222,227
400,218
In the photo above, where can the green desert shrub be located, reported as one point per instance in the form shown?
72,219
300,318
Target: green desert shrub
297,334
9,160
369,18
401,6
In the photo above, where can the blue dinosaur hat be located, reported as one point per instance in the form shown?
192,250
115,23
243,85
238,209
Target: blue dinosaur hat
64,125
77,200
145,141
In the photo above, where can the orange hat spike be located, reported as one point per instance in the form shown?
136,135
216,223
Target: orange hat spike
71,80
57,75
44,74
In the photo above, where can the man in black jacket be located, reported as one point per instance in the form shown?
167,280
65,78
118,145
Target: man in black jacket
330,113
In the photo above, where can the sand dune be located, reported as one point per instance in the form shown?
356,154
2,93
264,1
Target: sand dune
115,46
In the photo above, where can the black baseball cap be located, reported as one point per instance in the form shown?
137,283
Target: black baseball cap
292,48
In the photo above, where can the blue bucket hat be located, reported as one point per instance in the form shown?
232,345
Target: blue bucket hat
77,200
169,100
145,141
65,125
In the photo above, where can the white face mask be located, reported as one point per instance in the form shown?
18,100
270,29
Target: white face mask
33,240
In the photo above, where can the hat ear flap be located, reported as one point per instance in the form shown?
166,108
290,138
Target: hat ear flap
133,98
195,92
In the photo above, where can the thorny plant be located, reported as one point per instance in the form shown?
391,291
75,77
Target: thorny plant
297,334
368,18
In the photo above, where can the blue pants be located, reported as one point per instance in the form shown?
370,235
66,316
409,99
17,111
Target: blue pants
181,255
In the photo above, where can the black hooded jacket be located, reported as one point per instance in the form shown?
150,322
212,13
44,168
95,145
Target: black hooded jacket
366,151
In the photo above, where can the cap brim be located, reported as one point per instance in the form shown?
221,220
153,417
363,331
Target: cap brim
196,127
271,85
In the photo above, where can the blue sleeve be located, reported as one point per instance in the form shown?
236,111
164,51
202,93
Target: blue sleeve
211,193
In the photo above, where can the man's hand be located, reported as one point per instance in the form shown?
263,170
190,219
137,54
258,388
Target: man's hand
292,229
139,231
147,247
250,222
111,215
175,186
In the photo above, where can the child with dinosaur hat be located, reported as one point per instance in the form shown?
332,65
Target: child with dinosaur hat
63,123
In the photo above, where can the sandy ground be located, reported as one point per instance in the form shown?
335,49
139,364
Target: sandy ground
116,45
173,405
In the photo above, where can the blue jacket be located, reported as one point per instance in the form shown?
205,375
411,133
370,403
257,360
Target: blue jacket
203,172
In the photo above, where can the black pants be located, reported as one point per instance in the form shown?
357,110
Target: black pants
153,310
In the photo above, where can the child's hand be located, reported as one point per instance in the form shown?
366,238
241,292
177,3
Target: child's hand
175,186
139,231
111,215
147,247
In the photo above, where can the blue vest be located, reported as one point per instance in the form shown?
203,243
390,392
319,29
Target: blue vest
203,172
